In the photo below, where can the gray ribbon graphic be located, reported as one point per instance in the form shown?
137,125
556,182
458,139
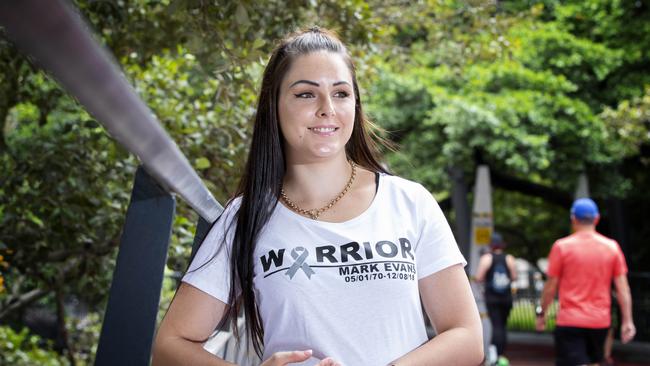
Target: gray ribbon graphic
299,263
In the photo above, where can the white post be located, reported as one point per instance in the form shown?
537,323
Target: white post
582,190
482,224
482,227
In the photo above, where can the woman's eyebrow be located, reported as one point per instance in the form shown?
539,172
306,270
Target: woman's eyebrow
315,83
305,82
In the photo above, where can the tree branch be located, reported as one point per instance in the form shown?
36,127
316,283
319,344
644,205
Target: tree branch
22,301
67,270
62,255
549,194
510,183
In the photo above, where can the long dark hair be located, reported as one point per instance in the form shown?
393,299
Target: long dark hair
260,184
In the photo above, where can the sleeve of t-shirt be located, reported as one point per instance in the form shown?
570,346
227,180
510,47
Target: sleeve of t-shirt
555,261
436,248
620,268
210,268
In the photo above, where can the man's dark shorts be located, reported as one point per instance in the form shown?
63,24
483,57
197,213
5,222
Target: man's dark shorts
579,346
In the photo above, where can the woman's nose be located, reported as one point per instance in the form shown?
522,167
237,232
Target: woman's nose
326,109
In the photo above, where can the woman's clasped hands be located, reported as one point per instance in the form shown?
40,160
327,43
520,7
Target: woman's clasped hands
287,358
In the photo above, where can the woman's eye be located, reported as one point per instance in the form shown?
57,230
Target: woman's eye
342,94
304,95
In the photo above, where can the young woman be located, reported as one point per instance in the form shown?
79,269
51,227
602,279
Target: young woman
325,253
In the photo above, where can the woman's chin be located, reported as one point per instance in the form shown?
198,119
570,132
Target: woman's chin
316,153
325,150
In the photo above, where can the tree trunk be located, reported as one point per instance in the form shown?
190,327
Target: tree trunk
10,100
617,227
9,92
510,183
461,208
60,312
3,119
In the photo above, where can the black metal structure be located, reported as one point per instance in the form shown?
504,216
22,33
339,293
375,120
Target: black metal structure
130,319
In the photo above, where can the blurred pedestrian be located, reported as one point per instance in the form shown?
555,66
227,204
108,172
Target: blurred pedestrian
497,270
582,267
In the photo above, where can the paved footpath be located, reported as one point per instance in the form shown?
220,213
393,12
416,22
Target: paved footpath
526,349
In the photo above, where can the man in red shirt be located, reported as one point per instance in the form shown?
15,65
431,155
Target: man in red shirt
583,266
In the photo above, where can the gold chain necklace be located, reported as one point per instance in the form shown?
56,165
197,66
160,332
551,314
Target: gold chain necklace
315,213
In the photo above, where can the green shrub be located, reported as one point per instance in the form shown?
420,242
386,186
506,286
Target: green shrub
25,349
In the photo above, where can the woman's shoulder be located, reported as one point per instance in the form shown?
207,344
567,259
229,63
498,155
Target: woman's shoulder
400,182
399,190
397,184
230,211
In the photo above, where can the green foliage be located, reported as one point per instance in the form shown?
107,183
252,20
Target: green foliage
211,131
64,194
63,204
84,333
519,120
24,349
630,123
587,64
522,89
621,26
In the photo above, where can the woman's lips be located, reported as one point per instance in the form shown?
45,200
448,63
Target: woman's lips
323,130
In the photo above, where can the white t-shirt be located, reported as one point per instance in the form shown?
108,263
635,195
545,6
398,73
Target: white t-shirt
345,290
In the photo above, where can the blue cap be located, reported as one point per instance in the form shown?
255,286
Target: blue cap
584,209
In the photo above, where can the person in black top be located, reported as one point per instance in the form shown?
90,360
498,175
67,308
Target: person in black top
497,270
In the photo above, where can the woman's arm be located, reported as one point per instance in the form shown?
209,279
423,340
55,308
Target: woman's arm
192,317
450,305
